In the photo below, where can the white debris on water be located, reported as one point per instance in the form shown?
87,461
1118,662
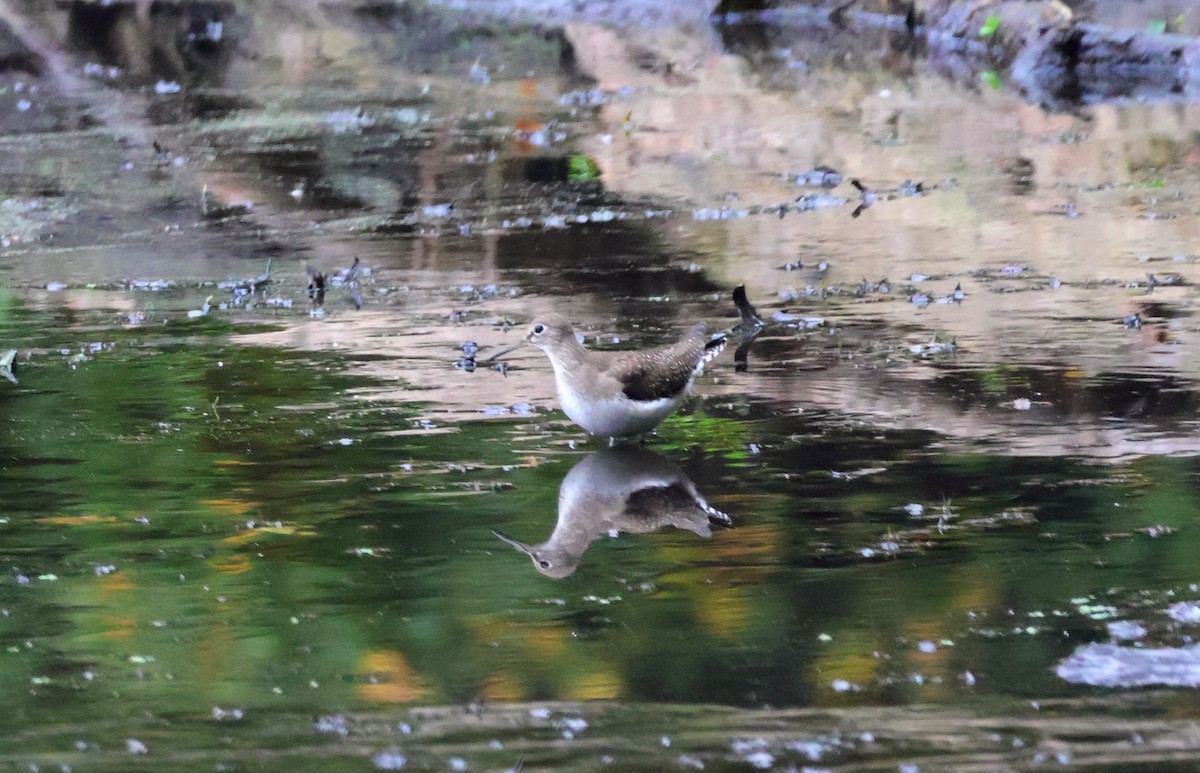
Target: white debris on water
721,213
389,760
332,723
342,121
1125,629
1114,665
97,70
220,714
574,724
1185,612
584,98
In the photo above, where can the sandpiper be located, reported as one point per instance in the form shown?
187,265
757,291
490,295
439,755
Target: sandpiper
621,490
621,393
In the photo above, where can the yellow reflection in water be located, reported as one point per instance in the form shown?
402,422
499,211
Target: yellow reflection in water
230,506
76,520
605,684
857,668
238,563
542,640
115,625
723,611
502,686
249,535
392,679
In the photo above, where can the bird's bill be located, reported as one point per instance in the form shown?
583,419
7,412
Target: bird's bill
503,352
521,546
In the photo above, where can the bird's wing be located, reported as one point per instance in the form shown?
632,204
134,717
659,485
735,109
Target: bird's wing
655,374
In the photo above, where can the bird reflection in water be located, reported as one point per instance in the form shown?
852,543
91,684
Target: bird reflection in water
624,488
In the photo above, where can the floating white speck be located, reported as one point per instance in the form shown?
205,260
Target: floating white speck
24,105
1125,629
926,646
167,87
1185,612
134,746
389,760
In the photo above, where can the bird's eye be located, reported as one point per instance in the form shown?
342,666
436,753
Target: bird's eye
539,329
544,564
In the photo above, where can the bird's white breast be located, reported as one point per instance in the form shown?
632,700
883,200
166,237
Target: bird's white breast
616,416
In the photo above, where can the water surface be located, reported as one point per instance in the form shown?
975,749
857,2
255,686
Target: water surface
245,531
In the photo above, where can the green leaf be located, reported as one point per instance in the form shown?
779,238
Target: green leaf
991,78
1155,184
1157,26
990,25
581,168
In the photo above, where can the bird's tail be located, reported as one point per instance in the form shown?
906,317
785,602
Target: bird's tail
714,348
745,331
715,516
